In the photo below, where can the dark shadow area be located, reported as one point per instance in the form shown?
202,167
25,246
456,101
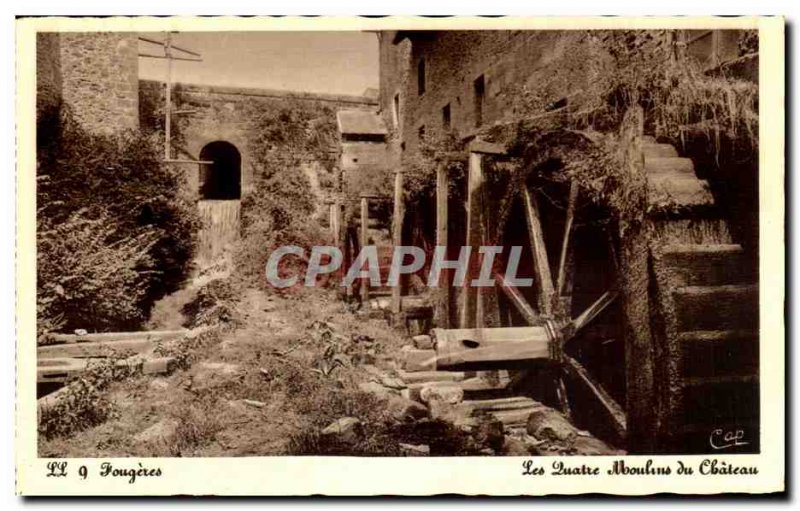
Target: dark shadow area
221,180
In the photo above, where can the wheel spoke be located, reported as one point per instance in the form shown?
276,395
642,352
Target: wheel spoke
541,266
596,308
573,198
517,300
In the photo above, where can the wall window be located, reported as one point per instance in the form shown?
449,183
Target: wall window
480,93
446,117
421,77
396,110
421,132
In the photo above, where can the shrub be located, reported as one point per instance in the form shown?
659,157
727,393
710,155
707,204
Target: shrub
280,208
115,226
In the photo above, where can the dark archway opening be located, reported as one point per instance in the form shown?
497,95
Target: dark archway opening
221,180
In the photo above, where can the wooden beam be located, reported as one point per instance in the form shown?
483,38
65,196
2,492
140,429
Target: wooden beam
118,336
364,242
397,233
562,262
94,349
596,308
472,346
443,302
612,409
481,146
517,300
149,56
542,277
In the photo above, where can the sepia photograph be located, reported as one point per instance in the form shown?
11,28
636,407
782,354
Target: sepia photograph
401,240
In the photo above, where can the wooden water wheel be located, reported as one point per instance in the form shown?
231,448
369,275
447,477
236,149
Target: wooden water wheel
540,322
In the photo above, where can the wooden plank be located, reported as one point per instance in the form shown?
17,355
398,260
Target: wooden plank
94,349
364,243
474,384
543,280
483,147
150,335
410,378
442,314
59,370
516,299
499,404
614,410
397,233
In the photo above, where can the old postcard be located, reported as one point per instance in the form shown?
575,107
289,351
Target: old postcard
486,256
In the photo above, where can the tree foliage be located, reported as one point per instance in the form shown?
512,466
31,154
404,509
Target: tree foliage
115,230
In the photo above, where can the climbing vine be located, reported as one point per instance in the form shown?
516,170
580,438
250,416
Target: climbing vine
565,126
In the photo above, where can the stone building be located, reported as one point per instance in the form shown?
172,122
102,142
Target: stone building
96,74
651,349
461,81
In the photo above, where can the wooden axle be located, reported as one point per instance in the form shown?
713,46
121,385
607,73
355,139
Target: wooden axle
463,346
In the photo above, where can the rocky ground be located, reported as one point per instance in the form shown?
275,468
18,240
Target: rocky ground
306,375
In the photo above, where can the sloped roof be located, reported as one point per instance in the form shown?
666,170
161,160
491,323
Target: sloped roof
360,122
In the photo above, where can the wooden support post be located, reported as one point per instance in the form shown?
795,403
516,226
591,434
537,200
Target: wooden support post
333,220
442,314
471,308
397,233
168,107
341,240
364,242
641,402
543,279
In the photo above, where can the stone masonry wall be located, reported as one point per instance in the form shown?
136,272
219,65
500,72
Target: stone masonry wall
507,60
48,72
99,79
232,115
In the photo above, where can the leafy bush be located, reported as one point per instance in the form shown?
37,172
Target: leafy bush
280,208
115,226
214,304
83,404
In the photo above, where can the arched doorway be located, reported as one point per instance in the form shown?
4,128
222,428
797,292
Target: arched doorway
221,180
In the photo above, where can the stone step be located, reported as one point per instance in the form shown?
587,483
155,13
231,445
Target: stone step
677,188
730,307
655,150
718,353
708,265
720,400
701,381
677,165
